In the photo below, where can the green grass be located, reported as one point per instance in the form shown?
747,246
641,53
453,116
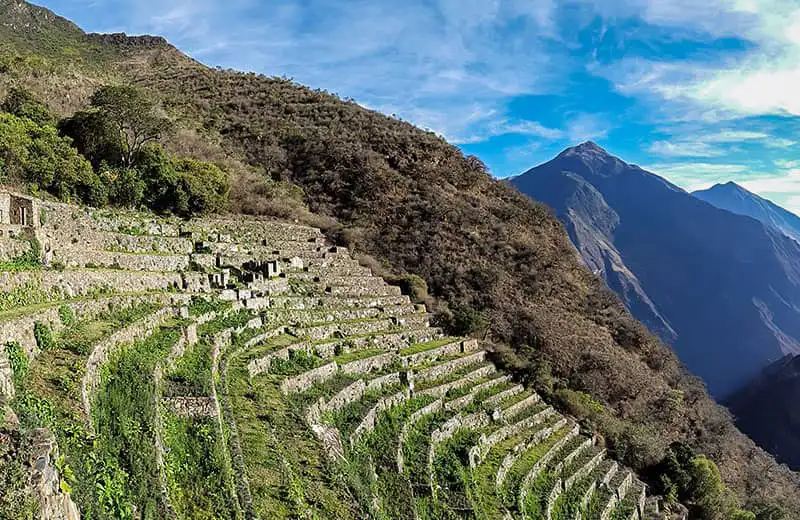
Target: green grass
194,463
523,465
416,348
450,377
287,468
358,355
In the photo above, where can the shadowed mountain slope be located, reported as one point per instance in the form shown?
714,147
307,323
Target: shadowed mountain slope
734,198
722,288
409,199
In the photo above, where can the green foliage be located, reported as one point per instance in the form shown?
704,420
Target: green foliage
66,315
194,464
36,154
124,418
182,186
133,116
43,335
466,320
19,362
21,103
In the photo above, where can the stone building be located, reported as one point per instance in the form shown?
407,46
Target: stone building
17,212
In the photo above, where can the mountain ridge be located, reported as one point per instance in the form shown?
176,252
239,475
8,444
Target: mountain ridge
405,197
736,199
654,230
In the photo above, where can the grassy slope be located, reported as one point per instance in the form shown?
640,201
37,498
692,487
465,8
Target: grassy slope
406,196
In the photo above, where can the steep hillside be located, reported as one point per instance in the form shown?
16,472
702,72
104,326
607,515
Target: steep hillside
243,368
734,198
767,410
727,286
417,205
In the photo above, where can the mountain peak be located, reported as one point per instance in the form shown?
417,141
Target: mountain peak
587,149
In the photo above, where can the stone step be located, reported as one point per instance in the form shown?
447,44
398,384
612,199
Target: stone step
542,463
502,431
19,325
529,440
250,230
431,351
467,380
44,285
443,369
76,258
83,237
342,329
314,269
327,301
357,290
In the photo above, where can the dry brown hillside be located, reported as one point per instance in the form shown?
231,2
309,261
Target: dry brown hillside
409,199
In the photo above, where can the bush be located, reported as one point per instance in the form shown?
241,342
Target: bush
22,103
36,154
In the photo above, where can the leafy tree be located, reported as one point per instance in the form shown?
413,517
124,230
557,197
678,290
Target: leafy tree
22,103
94,137
134,117
36,154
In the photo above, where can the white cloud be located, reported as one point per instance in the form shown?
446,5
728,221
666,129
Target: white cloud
693,176
685,149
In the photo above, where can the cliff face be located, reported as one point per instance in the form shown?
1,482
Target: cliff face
721,288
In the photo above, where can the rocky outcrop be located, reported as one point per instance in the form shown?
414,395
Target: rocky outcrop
44,478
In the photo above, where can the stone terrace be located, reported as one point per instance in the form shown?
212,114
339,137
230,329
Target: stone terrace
273,307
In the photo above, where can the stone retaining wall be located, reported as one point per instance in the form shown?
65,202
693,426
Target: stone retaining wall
433,354
72,257
367,365
520,449
413,419
332,302
443,369
44,480
345,329
21,328
584,470
487,442
192,407
11,248
517,408
100,352
368,422
505,394
441,390
62,285
355,290
542,462
306,380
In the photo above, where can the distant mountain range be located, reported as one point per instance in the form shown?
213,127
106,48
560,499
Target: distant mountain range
734,198
722,288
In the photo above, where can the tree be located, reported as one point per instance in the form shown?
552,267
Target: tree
36,154
22,103
135,118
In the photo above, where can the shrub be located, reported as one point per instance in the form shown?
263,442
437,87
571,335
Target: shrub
36,154
22,103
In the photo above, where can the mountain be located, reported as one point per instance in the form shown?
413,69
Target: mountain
723,289
767,409
734,198
414,207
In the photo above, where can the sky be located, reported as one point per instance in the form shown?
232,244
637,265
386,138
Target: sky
698,91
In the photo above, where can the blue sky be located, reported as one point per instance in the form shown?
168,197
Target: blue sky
699,91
